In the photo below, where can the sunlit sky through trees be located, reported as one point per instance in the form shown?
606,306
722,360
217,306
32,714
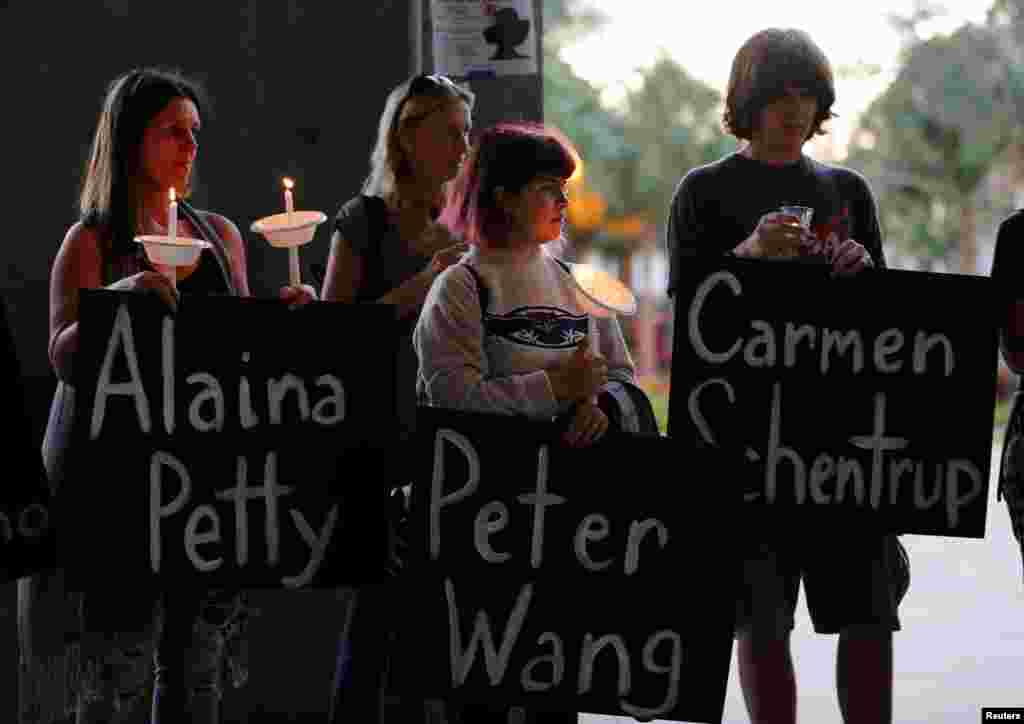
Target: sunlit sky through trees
703,37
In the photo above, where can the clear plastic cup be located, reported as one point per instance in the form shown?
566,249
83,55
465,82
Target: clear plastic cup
803,214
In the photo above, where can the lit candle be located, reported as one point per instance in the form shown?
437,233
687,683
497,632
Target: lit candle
172,217
289,202
294,277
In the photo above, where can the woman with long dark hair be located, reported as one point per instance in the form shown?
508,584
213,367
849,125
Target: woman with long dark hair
93,653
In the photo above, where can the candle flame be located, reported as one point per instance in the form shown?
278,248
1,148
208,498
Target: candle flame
173,195
288,183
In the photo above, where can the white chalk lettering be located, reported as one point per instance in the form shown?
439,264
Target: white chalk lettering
246,414
923,344
270,491
591,648
193,538
593,527
921,501
157,509
556,659
490,519
673,669
954,500
851,479
897,469
765,339
777,453
888,343
760,346
276,390
334,402
121,337
793,336
841,341
847,470
540,499
637,531
317,545
496,660
822,469
213,394
878,443
697,306
437,501
167,359
32,522
693,405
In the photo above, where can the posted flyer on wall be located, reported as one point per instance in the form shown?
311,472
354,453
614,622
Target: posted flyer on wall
484,38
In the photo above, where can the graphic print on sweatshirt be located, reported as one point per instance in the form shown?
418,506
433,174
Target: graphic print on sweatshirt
544,327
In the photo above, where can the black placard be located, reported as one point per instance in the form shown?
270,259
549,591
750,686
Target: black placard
867,398
281,421
27,539
604,576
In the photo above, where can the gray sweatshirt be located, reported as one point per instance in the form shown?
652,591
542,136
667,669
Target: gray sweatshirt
494,360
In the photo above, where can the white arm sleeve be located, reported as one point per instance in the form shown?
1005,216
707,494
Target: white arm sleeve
620,369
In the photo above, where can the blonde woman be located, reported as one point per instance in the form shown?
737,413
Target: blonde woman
388,248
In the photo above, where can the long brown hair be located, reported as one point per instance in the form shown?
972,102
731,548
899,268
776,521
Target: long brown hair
110,183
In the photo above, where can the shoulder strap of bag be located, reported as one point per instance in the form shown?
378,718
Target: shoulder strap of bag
376,216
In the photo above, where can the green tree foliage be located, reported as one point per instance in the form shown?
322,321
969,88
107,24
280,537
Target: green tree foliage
574,105
934,135
634,153
673,123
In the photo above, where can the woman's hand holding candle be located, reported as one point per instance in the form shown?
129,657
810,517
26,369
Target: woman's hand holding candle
581,376
588,425
298,295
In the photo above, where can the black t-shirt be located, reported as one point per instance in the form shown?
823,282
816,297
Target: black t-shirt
718,205
363,223
1008,261
1007,265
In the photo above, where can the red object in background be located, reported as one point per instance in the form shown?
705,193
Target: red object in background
838,223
